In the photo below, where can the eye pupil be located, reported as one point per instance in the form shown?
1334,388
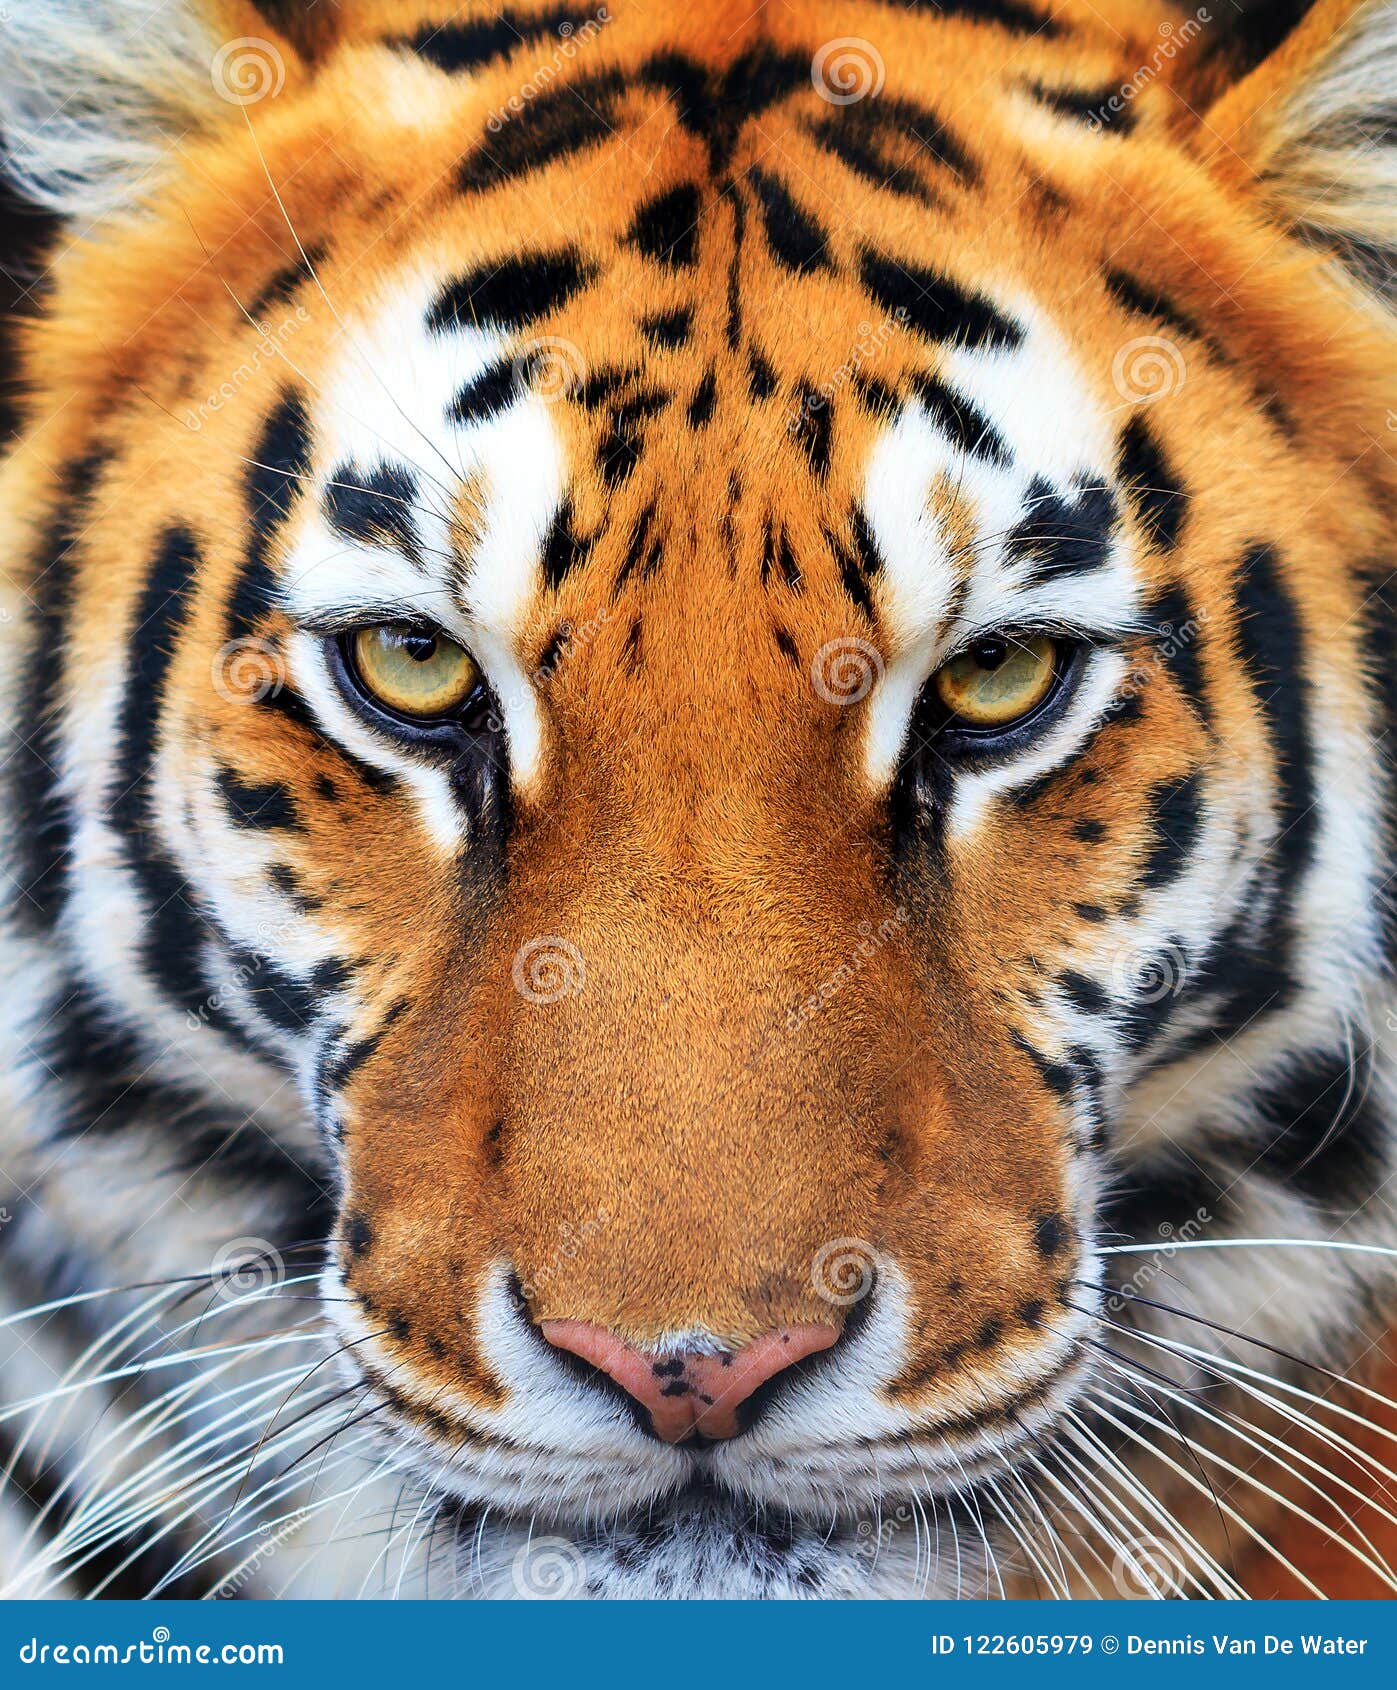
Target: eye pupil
415,672
998,680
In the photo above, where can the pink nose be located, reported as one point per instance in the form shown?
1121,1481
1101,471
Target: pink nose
689,1393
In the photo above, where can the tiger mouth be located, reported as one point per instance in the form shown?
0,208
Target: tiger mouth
946,1459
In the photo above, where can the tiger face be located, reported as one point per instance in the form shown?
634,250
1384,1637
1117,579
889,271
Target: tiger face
733,693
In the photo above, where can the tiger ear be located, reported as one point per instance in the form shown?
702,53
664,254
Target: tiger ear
97,95
1310,125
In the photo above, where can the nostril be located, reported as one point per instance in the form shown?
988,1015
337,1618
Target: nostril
688,1393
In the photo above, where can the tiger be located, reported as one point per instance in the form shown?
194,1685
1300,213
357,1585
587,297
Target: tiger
699,801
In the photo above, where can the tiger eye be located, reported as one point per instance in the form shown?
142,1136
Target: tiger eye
414,672
998,680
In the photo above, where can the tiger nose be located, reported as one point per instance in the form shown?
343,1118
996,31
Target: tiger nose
688,1392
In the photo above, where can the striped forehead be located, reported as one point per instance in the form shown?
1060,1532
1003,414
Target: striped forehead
993,501
422,507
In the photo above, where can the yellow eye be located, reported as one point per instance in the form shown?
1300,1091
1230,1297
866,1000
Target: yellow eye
413,672
998,680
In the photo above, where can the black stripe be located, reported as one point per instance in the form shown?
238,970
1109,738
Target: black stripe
643,550
1176,816
1062,537
374,508
175,929
1084,993
255,804
494,390
281,462
1101,108
563,548
618,451
1159,498
796,240
934,305
1272,647
512,293
851,573
283,283
668,329
701,405
455,47
289,1004
1008,14
887,141
1320,1132
1380,657
716,104
968,428
1132,294
555,126
1178,646
43,825
665,228
339,1070
813,428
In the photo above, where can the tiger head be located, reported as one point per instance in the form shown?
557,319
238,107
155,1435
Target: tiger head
721,664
